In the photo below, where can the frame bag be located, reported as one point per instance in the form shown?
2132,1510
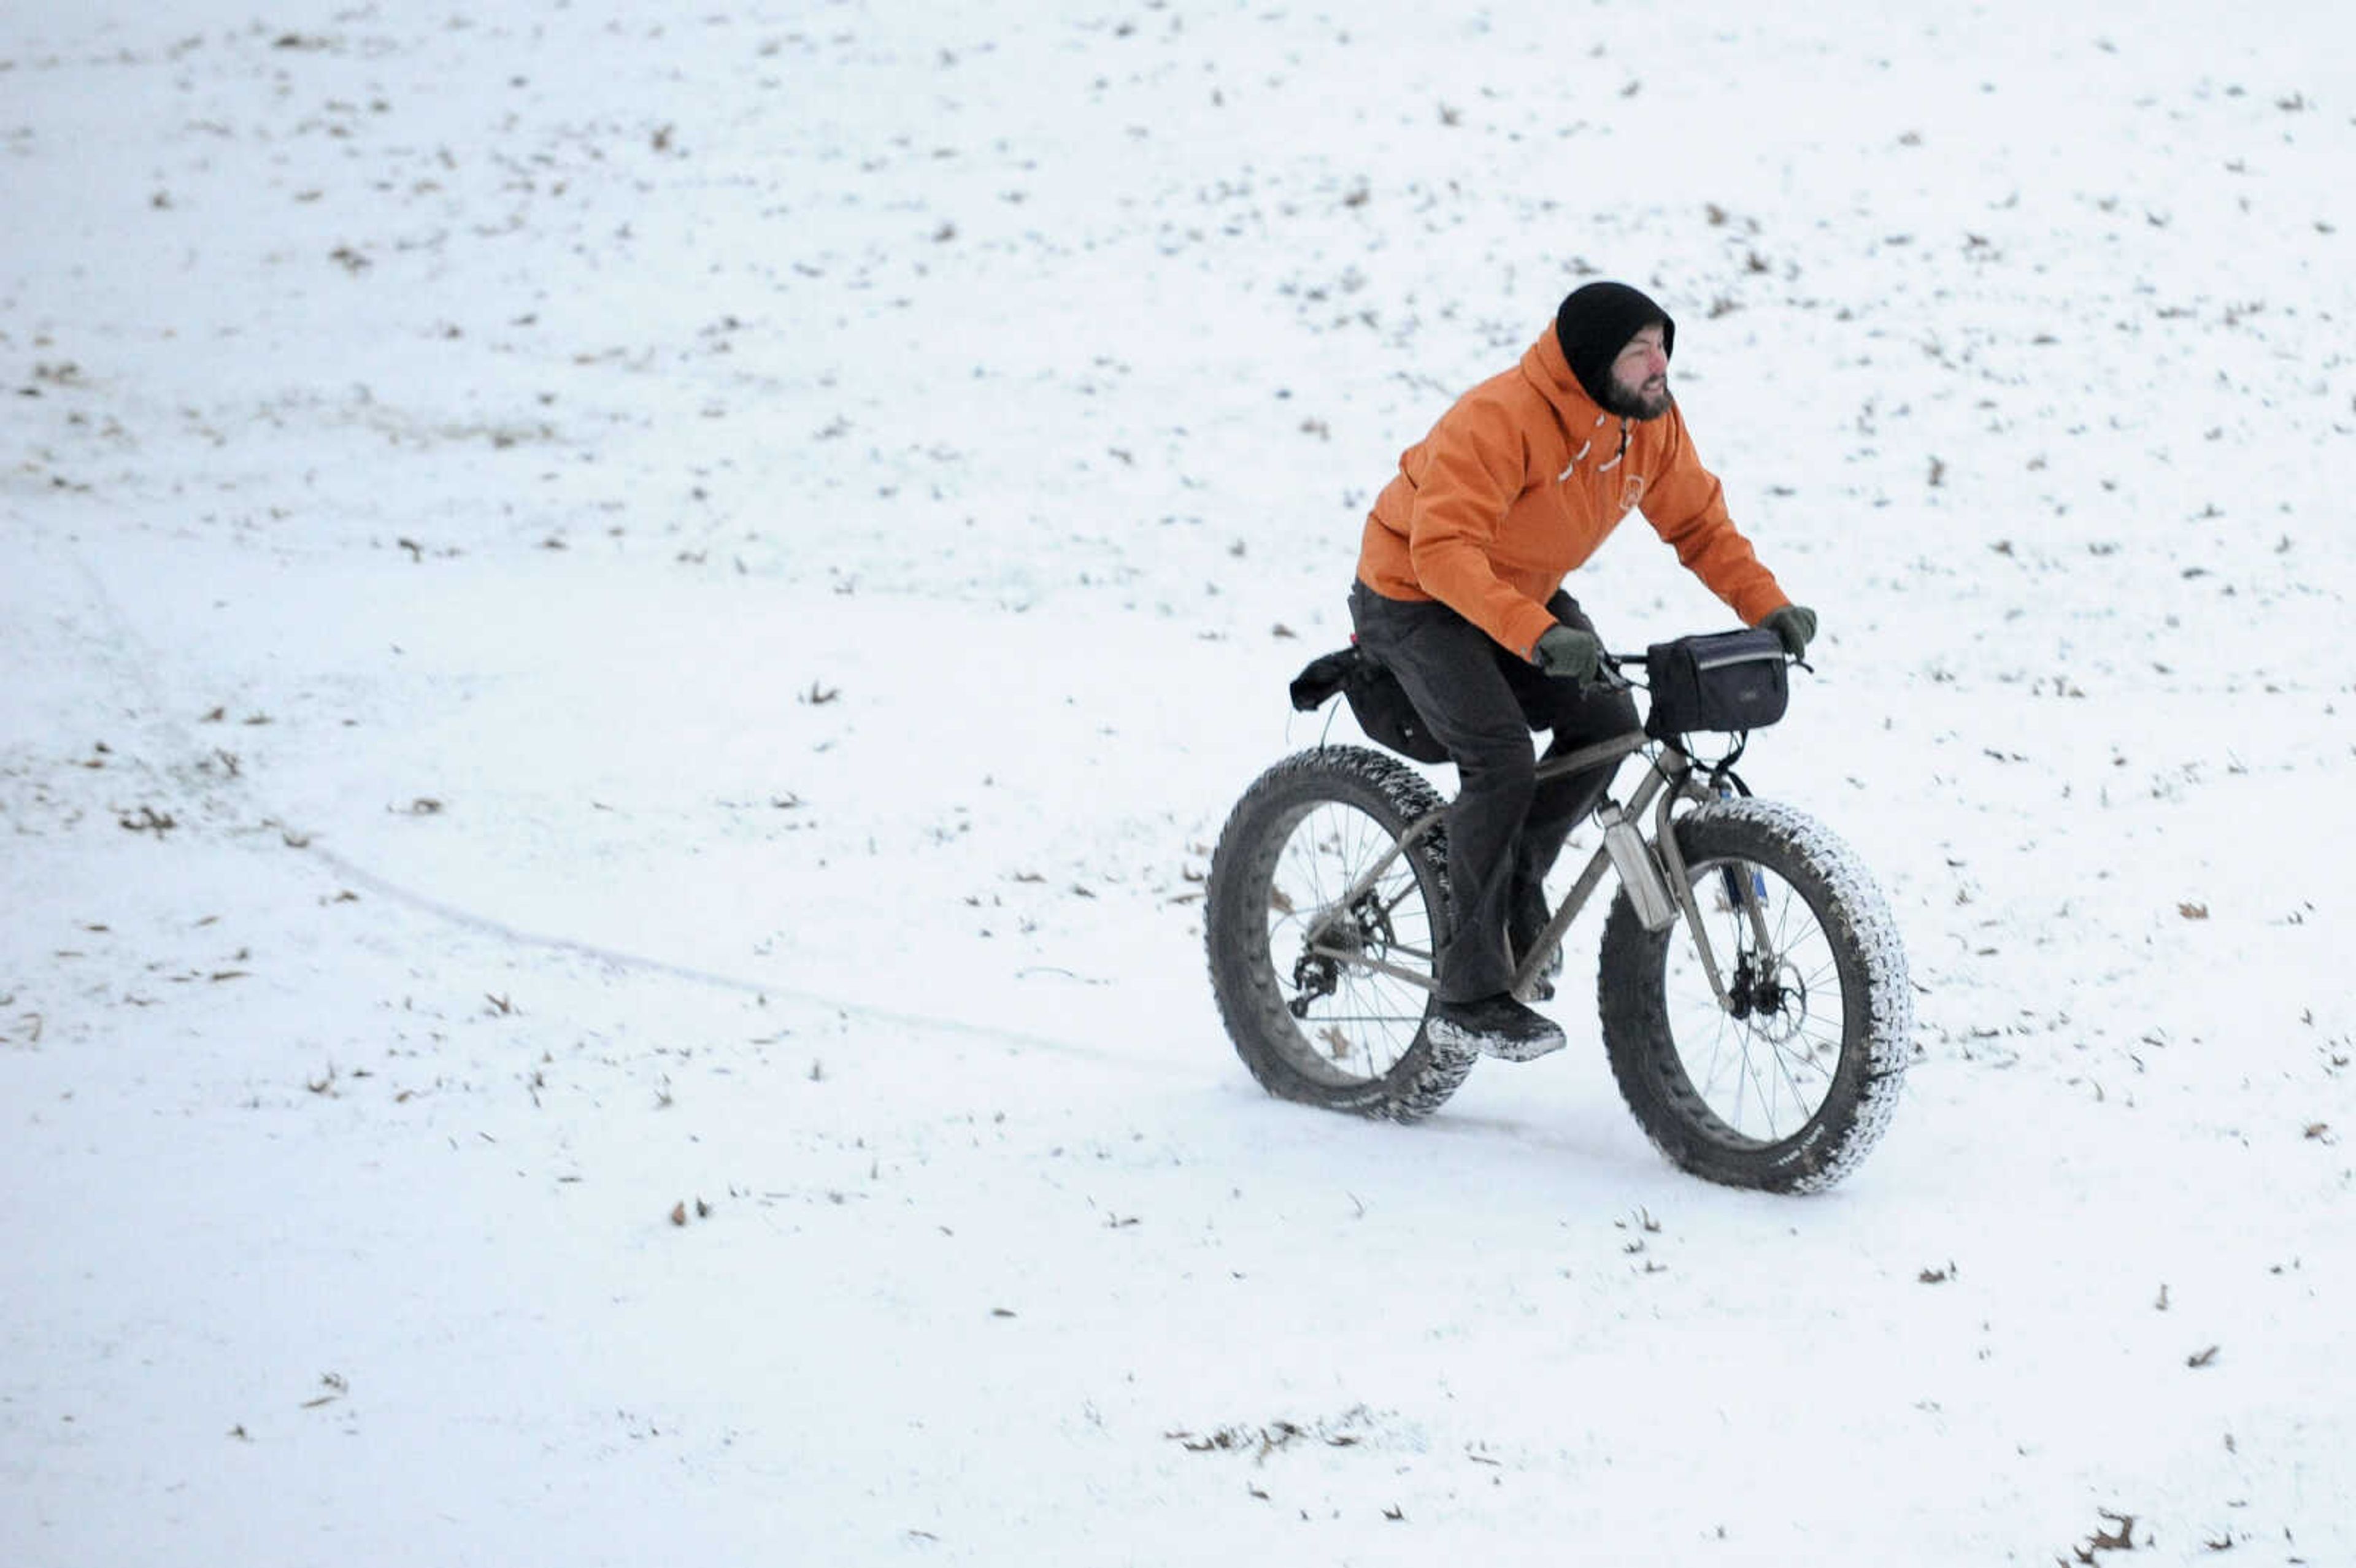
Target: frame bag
1727,681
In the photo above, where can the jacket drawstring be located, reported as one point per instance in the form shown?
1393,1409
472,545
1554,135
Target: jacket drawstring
1619,454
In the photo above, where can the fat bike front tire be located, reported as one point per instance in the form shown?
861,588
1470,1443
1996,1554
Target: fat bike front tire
1323,991
1788,1090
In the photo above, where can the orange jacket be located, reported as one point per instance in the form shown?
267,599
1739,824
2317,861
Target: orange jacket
1523,480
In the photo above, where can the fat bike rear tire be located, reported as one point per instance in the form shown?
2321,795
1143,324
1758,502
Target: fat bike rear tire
1320,990
1791,1089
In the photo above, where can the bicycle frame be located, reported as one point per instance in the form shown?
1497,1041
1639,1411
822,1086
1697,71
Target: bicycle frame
1668,779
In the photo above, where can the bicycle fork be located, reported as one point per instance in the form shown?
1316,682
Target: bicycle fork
1746,893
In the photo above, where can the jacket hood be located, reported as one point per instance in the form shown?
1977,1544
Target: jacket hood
1544,364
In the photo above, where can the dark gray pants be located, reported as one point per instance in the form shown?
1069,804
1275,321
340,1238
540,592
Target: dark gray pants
1505,828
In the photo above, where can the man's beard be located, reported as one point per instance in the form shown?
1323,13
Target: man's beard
1638,402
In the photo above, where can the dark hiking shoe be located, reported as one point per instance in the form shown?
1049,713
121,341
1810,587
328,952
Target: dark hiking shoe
1494,1026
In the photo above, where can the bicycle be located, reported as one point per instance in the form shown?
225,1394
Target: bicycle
1753,984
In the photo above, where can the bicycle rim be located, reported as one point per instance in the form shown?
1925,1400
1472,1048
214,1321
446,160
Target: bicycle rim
1353,1023
1759,1072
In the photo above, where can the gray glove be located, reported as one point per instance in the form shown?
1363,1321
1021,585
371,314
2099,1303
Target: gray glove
1567,653
1795,625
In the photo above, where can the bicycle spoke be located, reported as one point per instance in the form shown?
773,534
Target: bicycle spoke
1363,1021
1761,1073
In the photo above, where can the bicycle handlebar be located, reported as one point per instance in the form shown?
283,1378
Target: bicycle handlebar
1608,668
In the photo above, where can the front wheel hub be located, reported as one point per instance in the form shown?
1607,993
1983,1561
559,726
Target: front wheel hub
1769,995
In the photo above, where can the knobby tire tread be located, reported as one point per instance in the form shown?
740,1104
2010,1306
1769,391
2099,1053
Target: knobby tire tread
1250,995
1878,1027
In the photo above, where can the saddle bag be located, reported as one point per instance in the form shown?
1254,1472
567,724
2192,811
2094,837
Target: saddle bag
1725,681
1377,699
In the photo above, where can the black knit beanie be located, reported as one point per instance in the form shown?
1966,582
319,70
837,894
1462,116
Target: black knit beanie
1595,322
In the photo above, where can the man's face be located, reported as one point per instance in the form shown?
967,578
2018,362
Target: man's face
1640,376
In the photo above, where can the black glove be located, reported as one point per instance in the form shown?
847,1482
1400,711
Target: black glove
1795,625
1569,653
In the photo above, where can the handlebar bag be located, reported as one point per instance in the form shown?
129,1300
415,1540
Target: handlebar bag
1721,680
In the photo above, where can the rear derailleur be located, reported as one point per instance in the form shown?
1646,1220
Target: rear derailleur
1364,928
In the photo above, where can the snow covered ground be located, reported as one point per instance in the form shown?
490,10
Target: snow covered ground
624,632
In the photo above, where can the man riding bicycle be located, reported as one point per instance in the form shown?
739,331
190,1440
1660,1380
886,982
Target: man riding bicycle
1458,591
